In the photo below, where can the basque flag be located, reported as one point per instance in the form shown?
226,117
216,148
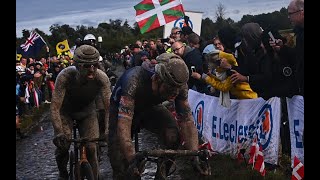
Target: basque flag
151,14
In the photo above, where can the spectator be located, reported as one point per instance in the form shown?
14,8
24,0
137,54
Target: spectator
296,56
296,17
23,63
223,63
52,75
254,62
153,52
192,57
136,57
139,43
217,43
176,34
196,42
144,43
20,98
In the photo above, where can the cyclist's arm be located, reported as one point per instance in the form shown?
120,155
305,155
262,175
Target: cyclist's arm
189,131
106,93
57,99
125,116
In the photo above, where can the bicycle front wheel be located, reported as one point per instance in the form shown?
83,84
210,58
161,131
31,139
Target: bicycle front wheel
71,165
86,171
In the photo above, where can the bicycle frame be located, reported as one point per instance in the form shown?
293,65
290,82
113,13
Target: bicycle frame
154,155
79,154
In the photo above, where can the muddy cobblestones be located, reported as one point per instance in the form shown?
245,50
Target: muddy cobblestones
35,155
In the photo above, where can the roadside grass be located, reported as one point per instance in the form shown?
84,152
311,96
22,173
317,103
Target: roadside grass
28,121
225,167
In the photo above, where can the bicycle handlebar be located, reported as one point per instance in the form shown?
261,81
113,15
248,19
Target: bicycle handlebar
177,153
150,155
84,140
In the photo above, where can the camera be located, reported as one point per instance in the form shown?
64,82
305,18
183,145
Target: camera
163,40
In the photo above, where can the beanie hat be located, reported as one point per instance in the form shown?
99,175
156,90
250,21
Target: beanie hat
172,69
86,54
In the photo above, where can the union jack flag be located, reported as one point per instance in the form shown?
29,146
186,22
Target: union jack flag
32,46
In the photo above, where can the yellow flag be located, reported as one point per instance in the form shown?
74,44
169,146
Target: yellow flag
63,48
19,57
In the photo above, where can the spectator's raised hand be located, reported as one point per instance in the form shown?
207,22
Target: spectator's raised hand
237,77
276,45
196,75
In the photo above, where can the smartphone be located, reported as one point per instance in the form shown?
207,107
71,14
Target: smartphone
271,36
193,68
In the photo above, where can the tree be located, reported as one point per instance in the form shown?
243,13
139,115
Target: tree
208,29
220,12
220,17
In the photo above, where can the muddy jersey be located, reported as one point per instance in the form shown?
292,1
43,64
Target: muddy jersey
133,94
80,93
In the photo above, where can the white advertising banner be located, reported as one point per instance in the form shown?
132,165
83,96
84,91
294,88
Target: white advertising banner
295,107
244,120
195,20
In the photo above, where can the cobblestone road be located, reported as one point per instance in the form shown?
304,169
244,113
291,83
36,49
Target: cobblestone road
35,155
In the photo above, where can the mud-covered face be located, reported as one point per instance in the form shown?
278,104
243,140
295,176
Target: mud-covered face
168,92
163,90
87,70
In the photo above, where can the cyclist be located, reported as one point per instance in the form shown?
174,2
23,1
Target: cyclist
136,101
76,88
90,39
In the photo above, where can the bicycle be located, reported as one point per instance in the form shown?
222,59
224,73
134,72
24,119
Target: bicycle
166,155
79,166
162,156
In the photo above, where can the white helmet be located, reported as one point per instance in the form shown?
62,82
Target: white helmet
89,37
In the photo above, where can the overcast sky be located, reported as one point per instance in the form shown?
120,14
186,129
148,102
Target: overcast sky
42,14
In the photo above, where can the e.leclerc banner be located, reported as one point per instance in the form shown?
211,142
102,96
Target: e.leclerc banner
295,106
245,119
